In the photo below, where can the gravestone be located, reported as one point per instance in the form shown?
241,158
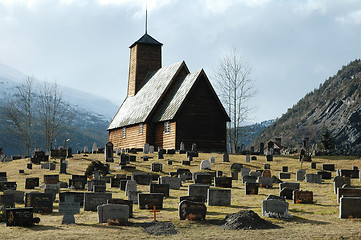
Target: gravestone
115,182
118,151
62,168
223,182
267,166
287,193
265,182
41,202
7,201
302,196
274,208
123,202
156,167
113,212
225,157
131,186
8,186
192,198
255,174
313,165
198,190
284,168
205,165
109,152
146,148
203,178
170,162
149,200
192,210
212,160
170,151
252,149
52,189
160,155
350,207
269,158
266,173
245,172
313,178
328,167
251,188
133,196
29,166
325,175
123,184
348,192
248,158
94,148
142,178
219,197
284,175
18,195
93,200
354,173
249,179
186,163
339,181
261,148
181,147
292,185
31,183
151,149
51,179
234,175
219,173
159,188
22,217
236,167
69,207
173,182
300,174
78,197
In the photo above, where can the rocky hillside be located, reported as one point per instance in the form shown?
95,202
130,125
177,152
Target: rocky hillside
335,105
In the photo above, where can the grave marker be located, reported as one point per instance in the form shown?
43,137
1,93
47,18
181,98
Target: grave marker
113,212
192,210
69,207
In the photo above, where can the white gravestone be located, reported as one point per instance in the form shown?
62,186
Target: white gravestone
205,165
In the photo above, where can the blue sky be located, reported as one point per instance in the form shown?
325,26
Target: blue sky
293,45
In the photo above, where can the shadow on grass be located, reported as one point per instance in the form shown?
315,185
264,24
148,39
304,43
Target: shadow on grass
105,225
39,227
304,220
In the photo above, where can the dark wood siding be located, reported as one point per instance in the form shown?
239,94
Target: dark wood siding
201,120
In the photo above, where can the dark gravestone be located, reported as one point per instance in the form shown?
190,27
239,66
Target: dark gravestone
200,199
29,166
170,162
92,183
171,151
123,183
123,202
18,195
192,210
284,175
251,188
159,188
313,165
132,158
348,173
62,169
109,152
78,197
253,158
302,196
160,155
69,152
115,182
41,202
350,207
328,167
51,179
186,163
348,192
223,182
236,167
287,193
21,217
149,200
142,178
7,201
29,183
156,167
203,179
21,171
285,169
7,186
261,148
325,175
93,200
183,170
269,158
219,173
267,166
124,159
249,179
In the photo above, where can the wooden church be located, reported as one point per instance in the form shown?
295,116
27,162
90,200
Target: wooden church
167,105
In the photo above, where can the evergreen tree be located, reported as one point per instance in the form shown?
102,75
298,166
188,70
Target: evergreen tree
327,139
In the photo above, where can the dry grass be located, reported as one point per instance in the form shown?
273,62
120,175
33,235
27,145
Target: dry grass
309,221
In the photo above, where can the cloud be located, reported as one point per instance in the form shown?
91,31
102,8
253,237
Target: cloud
353,17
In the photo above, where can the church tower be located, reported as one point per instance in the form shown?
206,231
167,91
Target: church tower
145,57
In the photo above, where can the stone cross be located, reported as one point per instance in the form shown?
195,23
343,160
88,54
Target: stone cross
69,207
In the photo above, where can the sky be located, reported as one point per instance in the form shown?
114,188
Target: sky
292,45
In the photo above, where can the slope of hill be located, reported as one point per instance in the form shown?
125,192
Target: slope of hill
91,118
335,105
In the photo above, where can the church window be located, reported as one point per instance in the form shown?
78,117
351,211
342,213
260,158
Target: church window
124,132
141,128
166,127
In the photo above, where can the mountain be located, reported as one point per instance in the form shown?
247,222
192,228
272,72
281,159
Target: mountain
91,118
335,105
249,132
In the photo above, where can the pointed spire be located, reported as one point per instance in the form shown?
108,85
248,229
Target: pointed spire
146,18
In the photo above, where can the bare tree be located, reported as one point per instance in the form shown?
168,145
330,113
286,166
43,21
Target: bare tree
235,87
54,113
19,111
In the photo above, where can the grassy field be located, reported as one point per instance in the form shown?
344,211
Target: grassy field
309,221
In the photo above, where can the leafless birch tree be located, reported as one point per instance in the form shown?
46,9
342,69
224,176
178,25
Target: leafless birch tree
20,112
236,89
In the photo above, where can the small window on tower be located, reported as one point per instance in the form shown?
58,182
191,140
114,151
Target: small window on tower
166,127
124,132
141,128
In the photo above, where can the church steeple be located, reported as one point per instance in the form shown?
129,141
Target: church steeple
145,57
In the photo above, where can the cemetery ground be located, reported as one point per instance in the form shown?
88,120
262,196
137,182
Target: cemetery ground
319,220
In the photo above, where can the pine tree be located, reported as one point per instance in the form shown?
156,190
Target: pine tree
327,139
